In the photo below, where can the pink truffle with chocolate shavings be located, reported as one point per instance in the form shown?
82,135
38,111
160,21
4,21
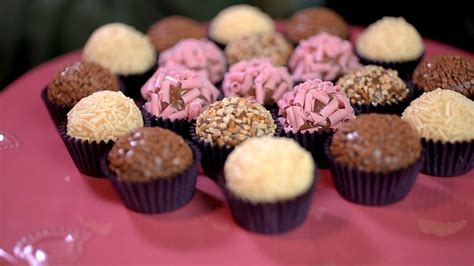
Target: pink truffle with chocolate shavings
178,94
258,80
322,56
314,106
199,55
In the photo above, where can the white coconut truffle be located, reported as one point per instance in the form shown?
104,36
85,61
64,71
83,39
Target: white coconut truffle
390,39
120,48
238,20
268,170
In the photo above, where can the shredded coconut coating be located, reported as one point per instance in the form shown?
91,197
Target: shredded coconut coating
269,169
120,48
390,39
324,57
442,115
236,21
103,116
199,55
258,80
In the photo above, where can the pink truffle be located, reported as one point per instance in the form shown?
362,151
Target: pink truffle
199,55
313,106
258,80
322,56
178,94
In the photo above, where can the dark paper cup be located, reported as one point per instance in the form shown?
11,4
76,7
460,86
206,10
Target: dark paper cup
404,68
213,156
160,195
57,112
271,218
447,159
314,143
374,189
133,83
85,154
178,126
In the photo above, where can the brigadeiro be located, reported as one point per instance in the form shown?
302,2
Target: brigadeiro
269,184
73,83
168,31
392,43
444,119
258,80
324,57
224,125
124,51
94,124
199,55
152,169
448,72
271,45
311,21
175,97
374,89
311,113
375,159
239,20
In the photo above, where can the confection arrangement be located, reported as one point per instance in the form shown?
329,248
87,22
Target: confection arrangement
260,112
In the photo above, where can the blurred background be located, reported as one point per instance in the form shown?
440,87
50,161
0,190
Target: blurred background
34,31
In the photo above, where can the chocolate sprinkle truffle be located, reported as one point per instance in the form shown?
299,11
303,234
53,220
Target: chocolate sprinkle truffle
311,21
271,45
147,154
447,72
231,121
168,31
373,85
376,143
80,80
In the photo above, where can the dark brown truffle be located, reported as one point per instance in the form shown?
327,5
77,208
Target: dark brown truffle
376,143
147,154
446,72
80,80
167,32
311,21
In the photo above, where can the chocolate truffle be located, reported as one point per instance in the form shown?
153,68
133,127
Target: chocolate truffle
178,94
376,143
199,55
311,21
79,80
168,31
258,80
269,170
236,21
447,72
390,39
442,115
324,57
258,45
373,85
103,116
314,106
146,154
121,49
233,120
